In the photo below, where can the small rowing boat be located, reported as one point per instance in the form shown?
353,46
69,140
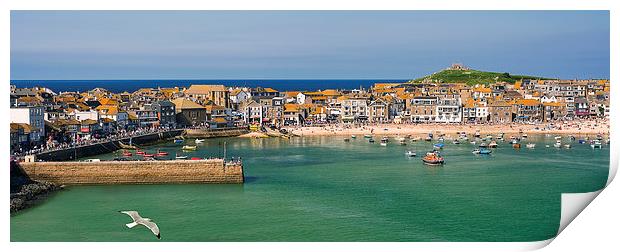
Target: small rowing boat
482,151
438,146
189,148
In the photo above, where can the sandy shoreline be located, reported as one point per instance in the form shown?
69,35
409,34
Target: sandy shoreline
576,128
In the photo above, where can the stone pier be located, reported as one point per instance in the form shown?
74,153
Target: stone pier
214,171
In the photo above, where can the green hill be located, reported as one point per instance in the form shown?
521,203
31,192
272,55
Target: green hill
472,77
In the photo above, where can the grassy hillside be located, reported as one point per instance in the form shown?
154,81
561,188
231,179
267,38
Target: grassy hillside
471,77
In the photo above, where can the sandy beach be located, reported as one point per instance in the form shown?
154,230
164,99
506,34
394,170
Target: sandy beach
575,127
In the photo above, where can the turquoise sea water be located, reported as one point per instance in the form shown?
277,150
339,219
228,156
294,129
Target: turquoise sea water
325,189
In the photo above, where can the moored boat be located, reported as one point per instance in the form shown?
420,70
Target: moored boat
199,141
140,152
347,139
482,151
367,136
371,140
456,142
353,136
433,158
127,154
402,141
567,146
161,153
178,141
384,141
493,144
146,155
483,145
410,153
596,144
189,147
530,145
516,145
558,144
438,146
180,157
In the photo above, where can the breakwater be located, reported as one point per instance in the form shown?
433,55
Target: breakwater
214,171
26,192
105,147
211,133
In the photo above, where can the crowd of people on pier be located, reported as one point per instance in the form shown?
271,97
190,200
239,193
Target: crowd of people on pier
122,134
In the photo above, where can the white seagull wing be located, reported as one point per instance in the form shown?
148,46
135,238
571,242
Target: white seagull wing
133,214
152,226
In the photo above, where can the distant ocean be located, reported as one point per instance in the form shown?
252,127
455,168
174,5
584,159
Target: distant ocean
133,85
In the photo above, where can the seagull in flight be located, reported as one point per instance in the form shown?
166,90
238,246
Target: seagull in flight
138,220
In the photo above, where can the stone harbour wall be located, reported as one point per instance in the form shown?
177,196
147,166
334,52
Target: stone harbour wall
136,172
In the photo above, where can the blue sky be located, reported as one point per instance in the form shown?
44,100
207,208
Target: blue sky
305,44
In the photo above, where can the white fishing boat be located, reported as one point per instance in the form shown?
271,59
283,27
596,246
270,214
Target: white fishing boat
596,144
456,142
530,145
567,146
473,142
557,145
384,141
198,141
557,137
180,157
410,153
493,144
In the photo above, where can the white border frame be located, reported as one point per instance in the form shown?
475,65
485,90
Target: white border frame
592,227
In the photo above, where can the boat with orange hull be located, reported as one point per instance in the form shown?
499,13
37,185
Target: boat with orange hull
433,158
